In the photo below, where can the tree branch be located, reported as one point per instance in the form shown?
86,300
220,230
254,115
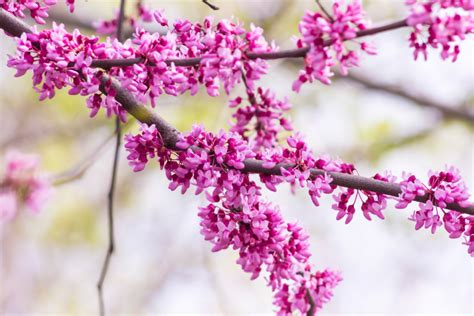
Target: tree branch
111,194
291,53
210,5
170,136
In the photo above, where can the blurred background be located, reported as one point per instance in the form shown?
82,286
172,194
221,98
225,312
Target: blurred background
380,118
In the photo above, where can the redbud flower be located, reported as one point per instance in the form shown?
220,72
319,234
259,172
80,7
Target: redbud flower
441,24
325,36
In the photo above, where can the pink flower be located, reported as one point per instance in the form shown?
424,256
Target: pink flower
38,8
238,217
261,121
443,188
59,59
325,36
440,24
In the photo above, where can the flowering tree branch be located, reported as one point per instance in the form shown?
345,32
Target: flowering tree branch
170,135
291,53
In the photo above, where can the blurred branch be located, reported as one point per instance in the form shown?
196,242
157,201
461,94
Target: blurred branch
111,194
375,150
449,112
78,171
73,21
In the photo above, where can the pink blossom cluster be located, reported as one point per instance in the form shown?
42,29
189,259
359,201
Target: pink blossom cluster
440,24
300,163
325,36
318,285
38,8
444,187
60,59
237,215
220,47
262,119
21,183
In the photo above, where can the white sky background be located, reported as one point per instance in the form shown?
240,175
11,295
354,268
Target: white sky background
163,265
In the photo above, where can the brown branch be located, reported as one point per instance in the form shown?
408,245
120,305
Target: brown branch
170,137
210,5
113,180
312,306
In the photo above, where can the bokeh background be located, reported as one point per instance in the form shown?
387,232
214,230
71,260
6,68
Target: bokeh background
50,262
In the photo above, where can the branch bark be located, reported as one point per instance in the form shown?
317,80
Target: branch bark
170,136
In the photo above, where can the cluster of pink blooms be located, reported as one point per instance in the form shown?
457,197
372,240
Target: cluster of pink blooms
20,184
263,115
237,216
443,188
220,47
440,24
300,164
38,8
325,36
60,59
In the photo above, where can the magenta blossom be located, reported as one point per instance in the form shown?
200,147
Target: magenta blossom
38,8
237,216
440,24
443,188
325,37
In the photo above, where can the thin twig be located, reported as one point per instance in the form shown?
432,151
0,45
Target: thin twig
120,21
329,16
170,135
111,194
110,220
210,5
312,306
78,171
